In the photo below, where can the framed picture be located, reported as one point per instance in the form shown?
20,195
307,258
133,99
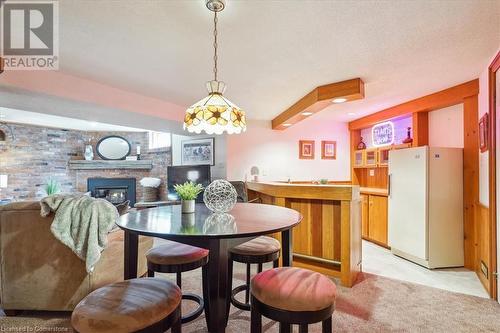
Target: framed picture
328,150
483,133
198,152
306,150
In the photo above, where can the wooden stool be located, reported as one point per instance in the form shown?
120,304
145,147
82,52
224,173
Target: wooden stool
292,295
257,251
137,305
174,257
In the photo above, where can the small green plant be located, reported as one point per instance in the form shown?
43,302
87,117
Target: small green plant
323,181
188,190
52,187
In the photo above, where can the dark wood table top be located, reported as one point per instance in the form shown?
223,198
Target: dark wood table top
244,220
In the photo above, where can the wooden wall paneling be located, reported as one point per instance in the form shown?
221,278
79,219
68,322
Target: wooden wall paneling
316,209
330,232
483,236
471,181
493,101
302,239
420,130
378,180
438,100
355,138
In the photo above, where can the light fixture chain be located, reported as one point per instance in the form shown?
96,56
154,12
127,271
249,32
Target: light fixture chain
215,45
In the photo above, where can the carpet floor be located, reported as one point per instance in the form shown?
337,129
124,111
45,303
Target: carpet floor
374,304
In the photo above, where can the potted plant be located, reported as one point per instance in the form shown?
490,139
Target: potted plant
188,192
52,187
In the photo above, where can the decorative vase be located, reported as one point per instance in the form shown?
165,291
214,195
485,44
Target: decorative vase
361,144
187,206
408,136
220,196
188,221
89,153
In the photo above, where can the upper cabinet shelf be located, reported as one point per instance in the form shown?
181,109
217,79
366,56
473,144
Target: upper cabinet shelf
375,157
109,164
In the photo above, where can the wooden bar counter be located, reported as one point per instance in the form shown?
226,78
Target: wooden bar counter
328,240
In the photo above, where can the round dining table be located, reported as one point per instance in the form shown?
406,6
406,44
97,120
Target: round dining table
216,232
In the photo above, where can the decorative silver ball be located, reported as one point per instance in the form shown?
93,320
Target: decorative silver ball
220,196
219,223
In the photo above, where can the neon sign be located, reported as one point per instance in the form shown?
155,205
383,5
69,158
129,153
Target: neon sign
383,134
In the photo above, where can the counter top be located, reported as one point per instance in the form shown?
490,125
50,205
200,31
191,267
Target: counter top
306,191
374,191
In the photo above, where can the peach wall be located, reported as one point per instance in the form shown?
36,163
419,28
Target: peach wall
446,127
71,87
276,152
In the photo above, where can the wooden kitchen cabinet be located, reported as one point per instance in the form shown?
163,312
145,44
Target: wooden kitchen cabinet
377,219
383,156
371,157
359,158
374,218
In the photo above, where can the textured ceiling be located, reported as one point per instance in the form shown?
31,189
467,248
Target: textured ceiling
274,52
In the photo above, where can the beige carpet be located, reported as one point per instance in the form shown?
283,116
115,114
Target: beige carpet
375,304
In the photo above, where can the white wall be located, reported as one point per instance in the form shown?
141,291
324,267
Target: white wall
276,153
218,171
446,127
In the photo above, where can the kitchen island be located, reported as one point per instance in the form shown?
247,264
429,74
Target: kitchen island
328,239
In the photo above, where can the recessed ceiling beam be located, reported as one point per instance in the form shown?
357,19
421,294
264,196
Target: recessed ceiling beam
317,100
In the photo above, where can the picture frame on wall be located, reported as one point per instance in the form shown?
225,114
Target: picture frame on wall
198,152
306,149
483,133
328,150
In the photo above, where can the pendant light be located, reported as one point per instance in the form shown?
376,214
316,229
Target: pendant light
215,114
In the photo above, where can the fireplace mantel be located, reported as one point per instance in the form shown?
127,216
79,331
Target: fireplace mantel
109,164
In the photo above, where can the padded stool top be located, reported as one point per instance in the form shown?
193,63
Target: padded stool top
174,253
262,245
294,289
126,306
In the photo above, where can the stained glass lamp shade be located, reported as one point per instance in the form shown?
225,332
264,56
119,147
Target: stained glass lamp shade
215,114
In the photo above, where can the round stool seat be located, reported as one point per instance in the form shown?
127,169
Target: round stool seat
173,253
126,306
262,245
294,289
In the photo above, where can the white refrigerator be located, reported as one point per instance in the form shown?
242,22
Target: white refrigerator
426,205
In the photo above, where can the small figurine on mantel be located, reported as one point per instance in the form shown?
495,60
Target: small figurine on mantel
408,136
89,152
361,144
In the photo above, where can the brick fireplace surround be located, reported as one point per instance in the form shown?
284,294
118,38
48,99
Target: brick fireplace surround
38,154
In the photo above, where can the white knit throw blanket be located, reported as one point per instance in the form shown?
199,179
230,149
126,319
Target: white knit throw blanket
82,223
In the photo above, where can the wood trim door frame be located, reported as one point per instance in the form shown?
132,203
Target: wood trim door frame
492,73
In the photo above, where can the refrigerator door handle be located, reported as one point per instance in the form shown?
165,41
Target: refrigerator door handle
389,185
